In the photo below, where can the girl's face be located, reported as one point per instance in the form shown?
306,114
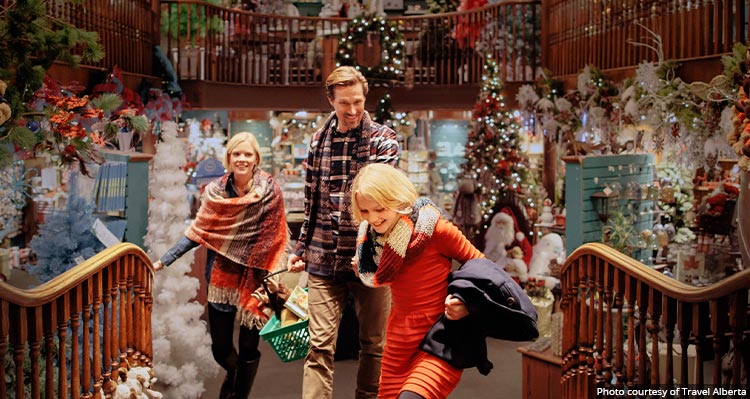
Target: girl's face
381,219
243,159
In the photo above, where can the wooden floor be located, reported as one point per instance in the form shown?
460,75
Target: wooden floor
277,380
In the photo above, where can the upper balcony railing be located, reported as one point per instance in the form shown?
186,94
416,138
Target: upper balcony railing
128,30
601,32
223,45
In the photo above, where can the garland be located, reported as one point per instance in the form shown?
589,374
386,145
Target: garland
391,44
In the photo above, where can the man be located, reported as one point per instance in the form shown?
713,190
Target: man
348,140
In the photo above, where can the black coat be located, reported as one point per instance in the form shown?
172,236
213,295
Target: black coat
498,308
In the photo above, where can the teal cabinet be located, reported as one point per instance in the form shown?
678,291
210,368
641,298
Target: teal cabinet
587,175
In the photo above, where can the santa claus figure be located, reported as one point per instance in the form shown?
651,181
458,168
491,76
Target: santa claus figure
507,246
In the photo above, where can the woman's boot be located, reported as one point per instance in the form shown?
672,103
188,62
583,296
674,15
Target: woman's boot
227,387
243,380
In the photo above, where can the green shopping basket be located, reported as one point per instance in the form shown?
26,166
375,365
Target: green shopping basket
291,342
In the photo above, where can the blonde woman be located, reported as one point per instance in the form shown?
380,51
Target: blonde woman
242,223
404,243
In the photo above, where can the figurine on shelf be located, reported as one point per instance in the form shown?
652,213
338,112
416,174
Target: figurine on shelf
547,216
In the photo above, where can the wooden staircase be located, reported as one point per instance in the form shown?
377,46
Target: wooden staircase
619,313
67,337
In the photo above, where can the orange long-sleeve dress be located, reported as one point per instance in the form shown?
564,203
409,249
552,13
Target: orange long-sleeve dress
418,293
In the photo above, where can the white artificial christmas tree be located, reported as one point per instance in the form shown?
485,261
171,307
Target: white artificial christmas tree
182,345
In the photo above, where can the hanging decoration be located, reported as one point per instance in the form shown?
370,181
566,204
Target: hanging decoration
365,30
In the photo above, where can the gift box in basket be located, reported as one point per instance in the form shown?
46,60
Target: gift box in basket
286,331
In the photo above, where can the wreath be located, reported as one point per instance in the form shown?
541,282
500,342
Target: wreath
359,31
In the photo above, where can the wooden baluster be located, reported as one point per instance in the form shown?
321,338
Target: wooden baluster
35,340
86,294
63,311
96,292
49,311
116,317
603,307
582,325
124,301
719,322
591,272
4,331
149,350
643,308
714,21
630,295
654,308
107,333
741,35
684,321
670,317
737,320
129,305
699,331
75,361
620,289
609,300
138,324
18,336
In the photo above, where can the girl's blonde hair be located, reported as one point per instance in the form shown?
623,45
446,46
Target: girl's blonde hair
386,185
234,141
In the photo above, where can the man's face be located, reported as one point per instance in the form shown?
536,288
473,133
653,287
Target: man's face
349,104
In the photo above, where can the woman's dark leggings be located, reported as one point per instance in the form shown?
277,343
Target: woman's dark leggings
221,325
409,395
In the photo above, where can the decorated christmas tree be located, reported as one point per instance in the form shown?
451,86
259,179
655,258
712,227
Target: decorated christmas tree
493,155
181,342
65,238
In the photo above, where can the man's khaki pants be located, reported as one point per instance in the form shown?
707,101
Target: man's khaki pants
326,301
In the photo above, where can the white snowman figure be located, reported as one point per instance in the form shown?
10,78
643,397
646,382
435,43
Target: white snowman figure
550,247
547,217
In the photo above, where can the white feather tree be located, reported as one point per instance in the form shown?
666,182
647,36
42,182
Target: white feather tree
182,346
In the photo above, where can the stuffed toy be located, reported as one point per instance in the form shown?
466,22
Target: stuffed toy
507,246
549,248
5,113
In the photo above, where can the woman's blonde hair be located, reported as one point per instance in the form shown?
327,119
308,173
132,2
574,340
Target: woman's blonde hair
386,185
345,76
234,141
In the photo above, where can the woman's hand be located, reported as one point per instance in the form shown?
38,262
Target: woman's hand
455,308
158,265
295,264
355,265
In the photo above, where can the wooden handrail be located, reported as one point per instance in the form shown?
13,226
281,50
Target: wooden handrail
96,315
622,319
216,44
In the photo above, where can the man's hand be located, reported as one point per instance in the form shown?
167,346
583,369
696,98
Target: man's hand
295,264
455,308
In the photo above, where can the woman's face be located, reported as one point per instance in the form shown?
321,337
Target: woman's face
243,160
381,219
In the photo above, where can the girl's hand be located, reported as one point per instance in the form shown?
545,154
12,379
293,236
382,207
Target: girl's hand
455,308
158,265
